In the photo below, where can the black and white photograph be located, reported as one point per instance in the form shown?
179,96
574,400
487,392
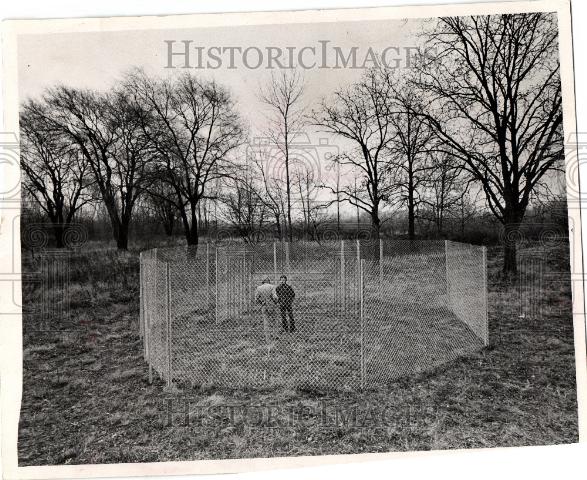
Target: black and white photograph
319,233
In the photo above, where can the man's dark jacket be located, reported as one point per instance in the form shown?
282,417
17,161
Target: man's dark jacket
285,294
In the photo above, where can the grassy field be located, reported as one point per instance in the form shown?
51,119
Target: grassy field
86,398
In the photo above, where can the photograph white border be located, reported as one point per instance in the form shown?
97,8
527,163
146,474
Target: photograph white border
11,320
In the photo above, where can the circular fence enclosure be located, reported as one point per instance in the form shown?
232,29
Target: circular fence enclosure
365,313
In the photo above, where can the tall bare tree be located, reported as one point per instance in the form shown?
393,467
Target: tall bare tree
158,200
303,177
56,175
193,126
361,115
494,97
243,208
411,149
132,158
273,191
105,131
284,96
444,191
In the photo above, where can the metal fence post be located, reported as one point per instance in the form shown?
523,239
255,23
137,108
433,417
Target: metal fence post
207,276
447,268
358,271
216,287
168,315
229,282
242,286
141,301
146,265
155,268
342,280
381,261
148,318
237,289
486,323
287,257
250,267
274,262
362,320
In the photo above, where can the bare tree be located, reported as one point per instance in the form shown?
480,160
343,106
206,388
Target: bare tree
317,215
243,207
273,191
55,172
467,209
444,191
411,148
304,178
131,159
106,133
159,201
494,98
283,95
193,126
361,114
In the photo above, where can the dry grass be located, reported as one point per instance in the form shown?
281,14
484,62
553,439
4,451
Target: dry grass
86,398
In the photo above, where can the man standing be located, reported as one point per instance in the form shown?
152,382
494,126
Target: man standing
266,296
285,297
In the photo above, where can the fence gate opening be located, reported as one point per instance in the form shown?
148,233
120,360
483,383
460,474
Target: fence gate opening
365,313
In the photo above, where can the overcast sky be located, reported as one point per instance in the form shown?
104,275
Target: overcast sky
97,59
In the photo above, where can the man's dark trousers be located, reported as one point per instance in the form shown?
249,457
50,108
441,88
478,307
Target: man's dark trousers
286,311
286,296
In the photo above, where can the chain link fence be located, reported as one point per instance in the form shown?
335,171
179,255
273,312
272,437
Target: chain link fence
362,314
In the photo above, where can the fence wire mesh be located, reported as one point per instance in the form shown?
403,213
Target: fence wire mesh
361,313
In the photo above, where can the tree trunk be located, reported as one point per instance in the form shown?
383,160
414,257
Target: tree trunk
510,265
58,233
168,227
115,224
440,222
122,238
511,237
278,224
167,217
185,223
206,219
375,223
288,192
411,214
119,226
462,219
192,236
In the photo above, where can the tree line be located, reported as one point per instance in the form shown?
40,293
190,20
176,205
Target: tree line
482,118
